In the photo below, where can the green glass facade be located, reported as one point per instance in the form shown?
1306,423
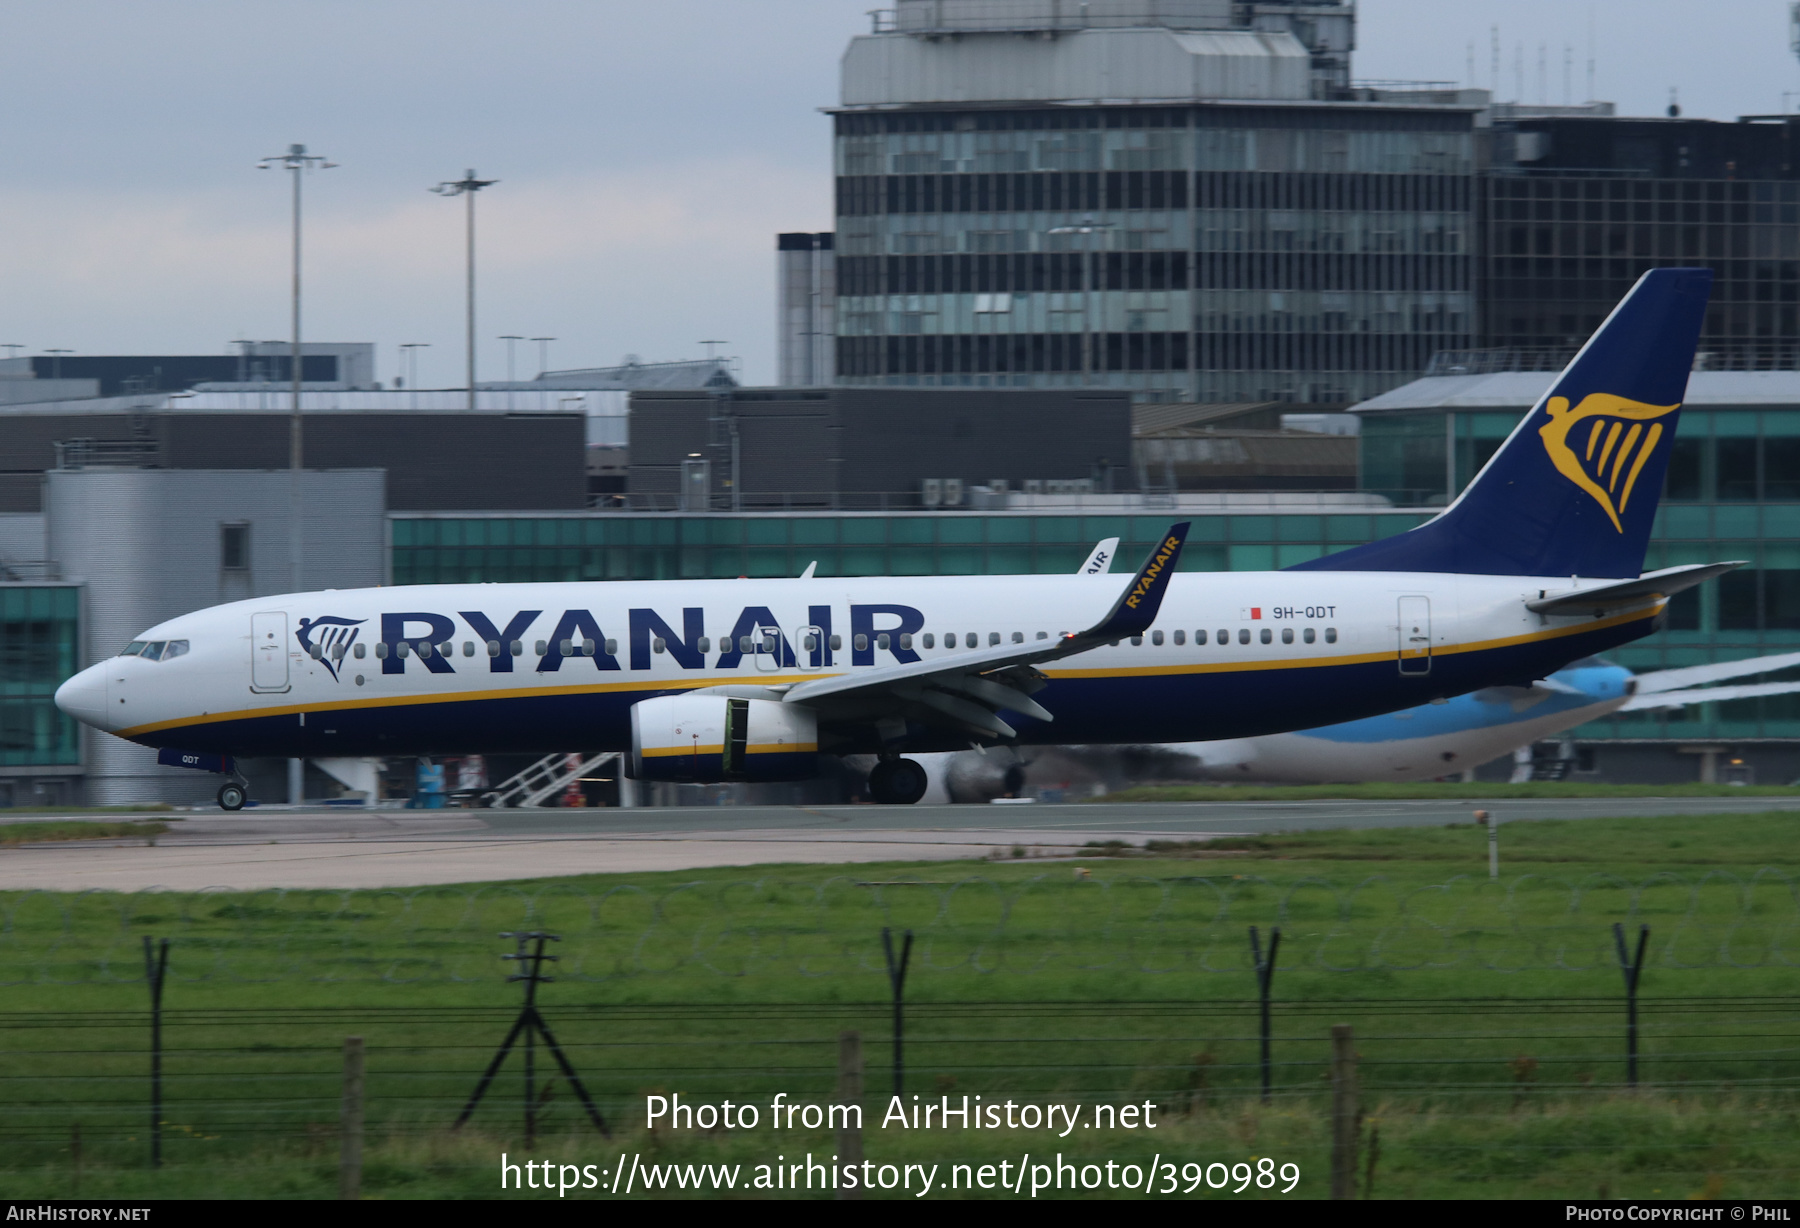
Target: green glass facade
609,546
40,635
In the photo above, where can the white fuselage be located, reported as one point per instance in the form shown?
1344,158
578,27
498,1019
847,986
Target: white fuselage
507,667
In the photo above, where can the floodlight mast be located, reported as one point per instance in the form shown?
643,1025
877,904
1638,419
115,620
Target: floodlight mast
296,160
467,186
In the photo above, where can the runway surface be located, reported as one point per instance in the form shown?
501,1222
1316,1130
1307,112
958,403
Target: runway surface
332,847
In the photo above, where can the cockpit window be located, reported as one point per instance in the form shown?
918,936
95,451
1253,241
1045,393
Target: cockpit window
155,650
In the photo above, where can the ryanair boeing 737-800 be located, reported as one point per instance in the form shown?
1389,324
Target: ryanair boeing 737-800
1536,564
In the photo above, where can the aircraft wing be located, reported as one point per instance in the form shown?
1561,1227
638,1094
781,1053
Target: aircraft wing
967,691
1695,675
1099,561
1603,597
1705,695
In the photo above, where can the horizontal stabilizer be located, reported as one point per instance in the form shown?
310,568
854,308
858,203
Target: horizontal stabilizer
1604,597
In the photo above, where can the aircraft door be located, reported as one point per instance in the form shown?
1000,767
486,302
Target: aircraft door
269,651
1415,635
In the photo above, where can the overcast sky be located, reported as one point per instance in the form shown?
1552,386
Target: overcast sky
647,153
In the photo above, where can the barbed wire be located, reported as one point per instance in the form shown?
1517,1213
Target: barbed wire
975,924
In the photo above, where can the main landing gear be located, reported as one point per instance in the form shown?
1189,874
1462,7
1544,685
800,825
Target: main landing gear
231,796
897,782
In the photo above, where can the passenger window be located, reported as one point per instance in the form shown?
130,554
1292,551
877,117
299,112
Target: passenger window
706,644
1243,635
1137,641
881,641
837,643
862,643
1180,638
424,650
1018,637
468,648
612,648
656,645
589,648
542,648
315,651
518,648
1156,638
1331,635
1267,635
1200,637
1043,635
809,643
493,647
744,643
403,650
905,640
381,651
361,651
993,638
1308,635
1287,635
930,640
971,639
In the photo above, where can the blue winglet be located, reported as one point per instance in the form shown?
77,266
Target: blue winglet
1574,489
1136,609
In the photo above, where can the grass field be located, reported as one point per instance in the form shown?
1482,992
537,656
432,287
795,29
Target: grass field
1489,1016
44,833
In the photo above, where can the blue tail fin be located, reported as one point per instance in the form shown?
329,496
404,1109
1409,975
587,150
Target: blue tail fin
1573,490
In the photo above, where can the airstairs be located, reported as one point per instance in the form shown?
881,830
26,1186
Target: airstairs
546,778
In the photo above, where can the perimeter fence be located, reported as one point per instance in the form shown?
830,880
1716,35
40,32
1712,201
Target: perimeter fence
981,926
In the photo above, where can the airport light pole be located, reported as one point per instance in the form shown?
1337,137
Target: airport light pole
511,339
543,344
296,161
409,353
467,186
1090,361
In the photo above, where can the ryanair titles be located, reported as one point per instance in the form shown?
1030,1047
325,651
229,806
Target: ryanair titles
544,641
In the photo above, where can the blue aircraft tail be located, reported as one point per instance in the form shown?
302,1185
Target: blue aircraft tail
1573,490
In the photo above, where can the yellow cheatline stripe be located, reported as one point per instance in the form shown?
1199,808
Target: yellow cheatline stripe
663,752
779,679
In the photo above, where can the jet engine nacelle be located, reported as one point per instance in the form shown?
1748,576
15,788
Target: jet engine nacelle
704,737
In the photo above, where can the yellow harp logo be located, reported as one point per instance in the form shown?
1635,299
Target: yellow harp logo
1613,446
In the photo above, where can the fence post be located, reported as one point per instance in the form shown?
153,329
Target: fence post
155,967
1265,976
1343,1111
350,1122
897,979
1493,825
850,1092
1631,968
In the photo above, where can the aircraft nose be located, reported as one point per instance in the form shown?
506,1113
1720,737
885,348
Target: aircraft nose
84,697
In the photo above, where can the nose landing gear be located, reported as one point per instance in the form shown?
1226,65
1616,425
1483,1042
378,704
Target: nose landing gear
897,782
